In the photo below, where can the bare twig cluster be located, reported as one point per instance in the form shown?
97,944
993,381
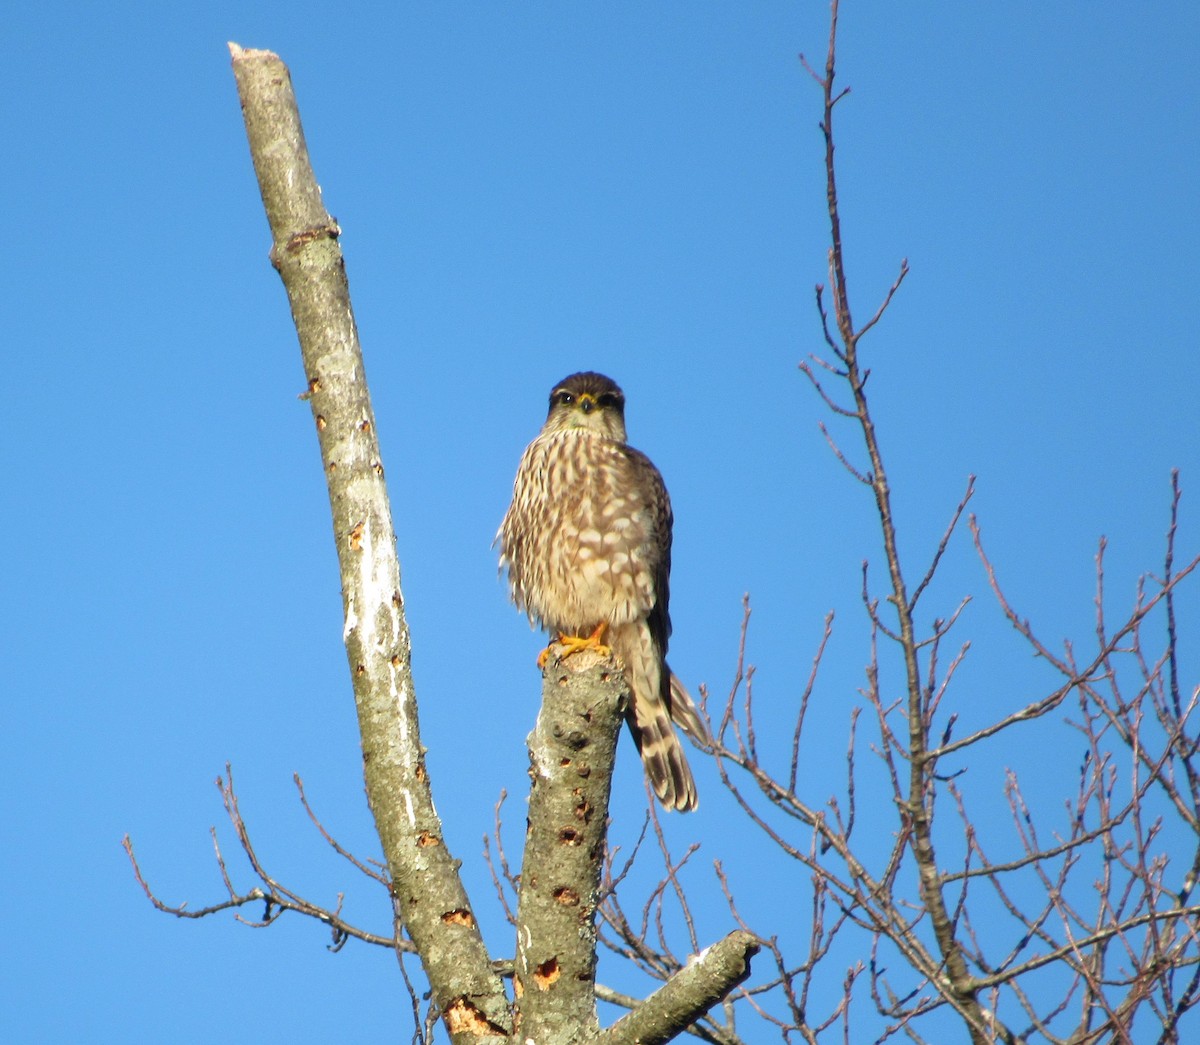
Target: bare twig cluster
1079,929
275,897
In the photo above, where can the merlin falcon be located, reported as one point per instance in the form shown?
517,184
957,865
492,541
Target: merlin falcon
587,544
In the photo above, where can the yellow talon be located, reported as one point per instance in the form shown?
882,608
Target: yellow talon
575,643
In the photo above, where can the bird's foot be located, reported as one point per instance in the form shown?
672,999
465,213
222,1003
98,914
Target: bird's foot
575,643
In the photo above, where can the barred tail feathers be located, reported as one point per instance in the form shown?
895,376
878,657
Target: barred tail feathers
654,700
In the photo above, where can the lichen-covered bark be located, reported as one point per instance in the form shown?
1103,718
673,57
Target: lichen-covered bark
571,753
429,895
688,995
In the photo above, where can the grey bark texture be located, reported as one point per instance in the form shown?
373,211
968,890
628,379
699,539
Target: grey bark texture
571,756
429,896
688,995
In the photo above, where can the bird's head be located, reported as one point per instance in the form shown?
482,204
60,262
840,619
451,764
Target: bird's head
590,401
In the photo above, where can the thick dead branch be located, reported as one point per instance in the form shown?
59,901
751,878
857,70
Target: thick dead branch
429,895
571,754
688,995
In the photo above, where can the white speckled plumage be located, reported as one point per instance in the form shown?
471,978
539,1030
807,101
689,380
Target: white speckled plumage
587,540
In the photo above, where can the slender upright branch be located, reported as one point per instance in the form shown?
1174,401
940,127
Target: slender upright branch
917,803
429,896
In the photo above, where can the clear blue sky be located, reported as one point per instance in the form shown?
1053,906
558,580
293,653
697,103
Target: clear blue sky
526,190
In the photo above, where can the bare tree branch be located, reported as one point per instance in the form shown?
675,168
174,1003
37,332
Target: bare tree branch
691,992
571,751
274,896
430,897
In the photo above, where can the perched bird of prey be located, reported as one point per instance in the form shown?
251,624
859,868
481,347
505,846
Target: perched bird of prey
587,543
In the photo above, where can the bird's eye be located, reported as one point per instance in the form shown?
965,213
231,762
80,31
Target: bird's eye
607,400
566,398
